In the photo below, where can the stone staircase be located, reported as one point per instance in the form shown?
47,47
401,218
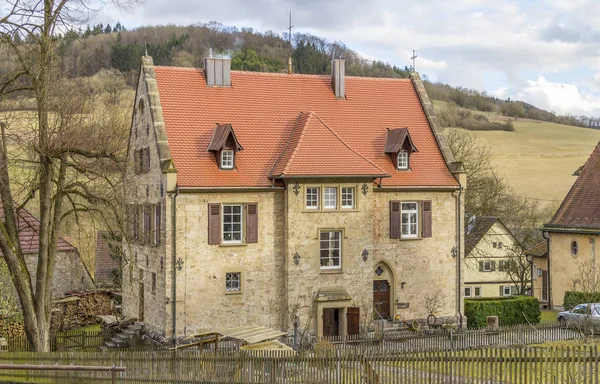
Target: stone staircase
130,336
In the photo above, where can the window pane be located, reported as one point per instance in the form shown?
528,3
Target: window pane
330,249
330,198
232,223
347,197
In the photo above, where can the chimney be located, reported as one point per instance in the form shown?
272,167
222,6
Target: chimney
217,71
338,72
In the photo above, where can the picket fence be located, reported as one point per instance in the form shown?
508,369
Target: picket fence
487,365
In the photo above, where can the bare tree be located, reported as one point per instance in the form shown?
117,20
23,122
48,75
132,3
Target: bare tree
71,158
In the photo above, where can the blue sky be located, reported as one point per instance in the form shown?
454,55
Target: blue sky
546,52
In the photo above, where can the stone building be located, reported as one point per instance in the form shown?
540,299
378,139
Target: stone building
70,273
256,198
494,259
573,233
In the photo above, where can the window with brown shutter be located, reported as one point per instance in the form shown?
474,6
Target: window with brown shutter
157,223
146,233
252,223
394,219
147,159
214,223
426,220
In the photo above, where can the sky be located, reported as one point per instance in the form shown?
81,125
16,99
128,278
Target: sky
544,52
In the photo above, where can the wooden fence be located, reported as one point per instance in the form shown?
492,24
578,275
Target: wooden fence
61,341
568,365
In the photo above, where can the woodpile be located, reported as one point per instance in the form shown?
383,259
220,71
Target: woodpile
82,309
11,328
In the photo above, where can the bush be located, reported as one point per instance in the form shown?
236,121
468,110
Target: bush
573,298
510,311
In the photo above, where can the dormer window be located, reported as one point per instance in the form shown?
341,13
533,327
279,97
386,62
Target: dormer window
225,145
402,160
227,158
399,146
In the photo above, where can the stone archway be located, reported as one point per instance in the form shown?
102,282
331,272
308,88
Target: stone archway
384,289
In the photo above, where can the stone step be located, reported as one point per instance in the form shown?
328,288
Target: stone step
131,332
104,348
118,341
135,327
110,344
125,336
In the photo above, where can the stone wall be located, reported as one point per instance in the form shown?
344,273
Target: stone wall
565,266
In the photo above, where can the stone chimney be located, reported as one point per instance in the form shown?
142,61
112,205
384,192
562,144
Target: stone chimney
217,71
338,72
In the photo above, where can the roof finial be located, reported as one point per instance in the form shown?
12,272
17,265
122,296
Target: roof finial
145,44
290,42
414,56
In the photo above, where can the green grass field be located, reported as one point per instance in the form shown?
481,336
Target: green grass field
539,158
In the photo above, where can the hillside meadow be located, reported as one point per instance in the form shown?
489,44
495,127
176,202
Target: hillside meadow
538,158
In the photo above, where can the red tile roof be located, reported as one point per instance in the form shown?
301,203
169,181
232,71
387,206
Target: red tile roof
315,149
263,109
581,207
29,228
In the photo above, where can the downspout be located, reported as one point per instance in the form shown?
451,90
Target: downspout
549,287
173,267
458,258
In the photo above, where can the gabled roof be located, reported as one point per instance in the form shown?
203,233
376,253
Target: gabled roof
479,228
264,107
314,149
581,206
220,136
29,228
396,139
538,250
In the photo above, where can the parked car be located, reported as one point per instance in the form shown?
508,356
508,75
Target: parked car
581,314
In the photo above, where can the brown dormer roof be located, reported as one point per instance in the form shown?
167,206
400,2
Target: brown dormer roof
220,136
397,140
581,207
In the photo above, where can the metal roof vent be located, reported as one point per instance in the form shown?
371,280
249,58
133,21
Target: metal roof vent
338,72
217,71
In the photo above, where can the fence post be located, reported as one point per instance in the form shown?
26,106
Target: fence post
338,368
114,375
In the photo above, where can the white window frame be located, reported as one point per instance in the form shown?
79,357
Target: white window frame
330,249
314,193
489,269
475,291
241,222
470,289
227,158
327,195
504,288
402,160
347,196
409,234
233,277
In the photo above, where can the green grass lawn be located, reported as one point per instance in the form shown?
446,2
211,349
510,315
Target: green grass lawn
548,316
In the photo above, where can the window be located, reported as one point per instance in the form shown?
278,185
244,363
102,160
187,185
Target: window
495,244
477,291
540,272
402,160
153,283
487,266
348,198
157,223
312,198
581,309
409,220
574,248
500,244
467,291
233,282
330,198
227,159
331,249
506,290
232,223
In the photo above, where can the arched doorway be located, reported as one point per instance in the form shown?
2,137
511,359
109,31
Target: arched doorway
383,290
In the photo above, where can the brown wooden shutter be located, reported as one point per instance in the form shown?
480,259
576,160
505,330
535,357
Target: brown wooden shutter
146,223
214,223
426,218
158,218
394,219
147,150
481,266
353,320
252,223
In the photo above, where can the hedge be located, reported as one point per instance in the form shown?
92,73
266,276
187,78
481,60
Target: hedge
573,298
510,311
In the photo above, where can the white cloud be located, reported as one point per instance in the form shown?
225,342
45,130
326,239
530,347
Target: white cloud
560,97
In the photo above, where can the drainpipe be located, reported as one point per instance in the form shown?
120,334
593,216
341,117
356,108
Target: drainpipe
549,287
173,266
458,257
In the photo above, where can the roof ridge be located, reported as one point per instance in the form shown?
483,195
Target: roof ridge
287,144
304,125
346,144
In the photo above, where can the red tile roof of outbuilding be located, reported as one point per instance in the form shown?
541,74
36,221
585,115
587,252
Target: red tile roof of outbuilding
263,109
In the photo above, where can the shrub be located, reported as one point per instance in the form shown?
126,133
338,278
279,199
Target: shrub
510,311
572,298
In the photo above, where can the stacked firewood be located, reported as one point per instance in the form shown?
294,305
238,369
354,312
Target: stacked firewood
81,310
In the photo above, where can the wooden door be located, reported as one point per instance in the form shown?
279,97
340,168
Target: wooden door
544,285
381,297
353,320
330,322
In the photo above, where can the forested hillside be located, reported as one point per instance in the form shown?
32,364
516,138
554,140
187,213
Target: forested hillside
86,53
